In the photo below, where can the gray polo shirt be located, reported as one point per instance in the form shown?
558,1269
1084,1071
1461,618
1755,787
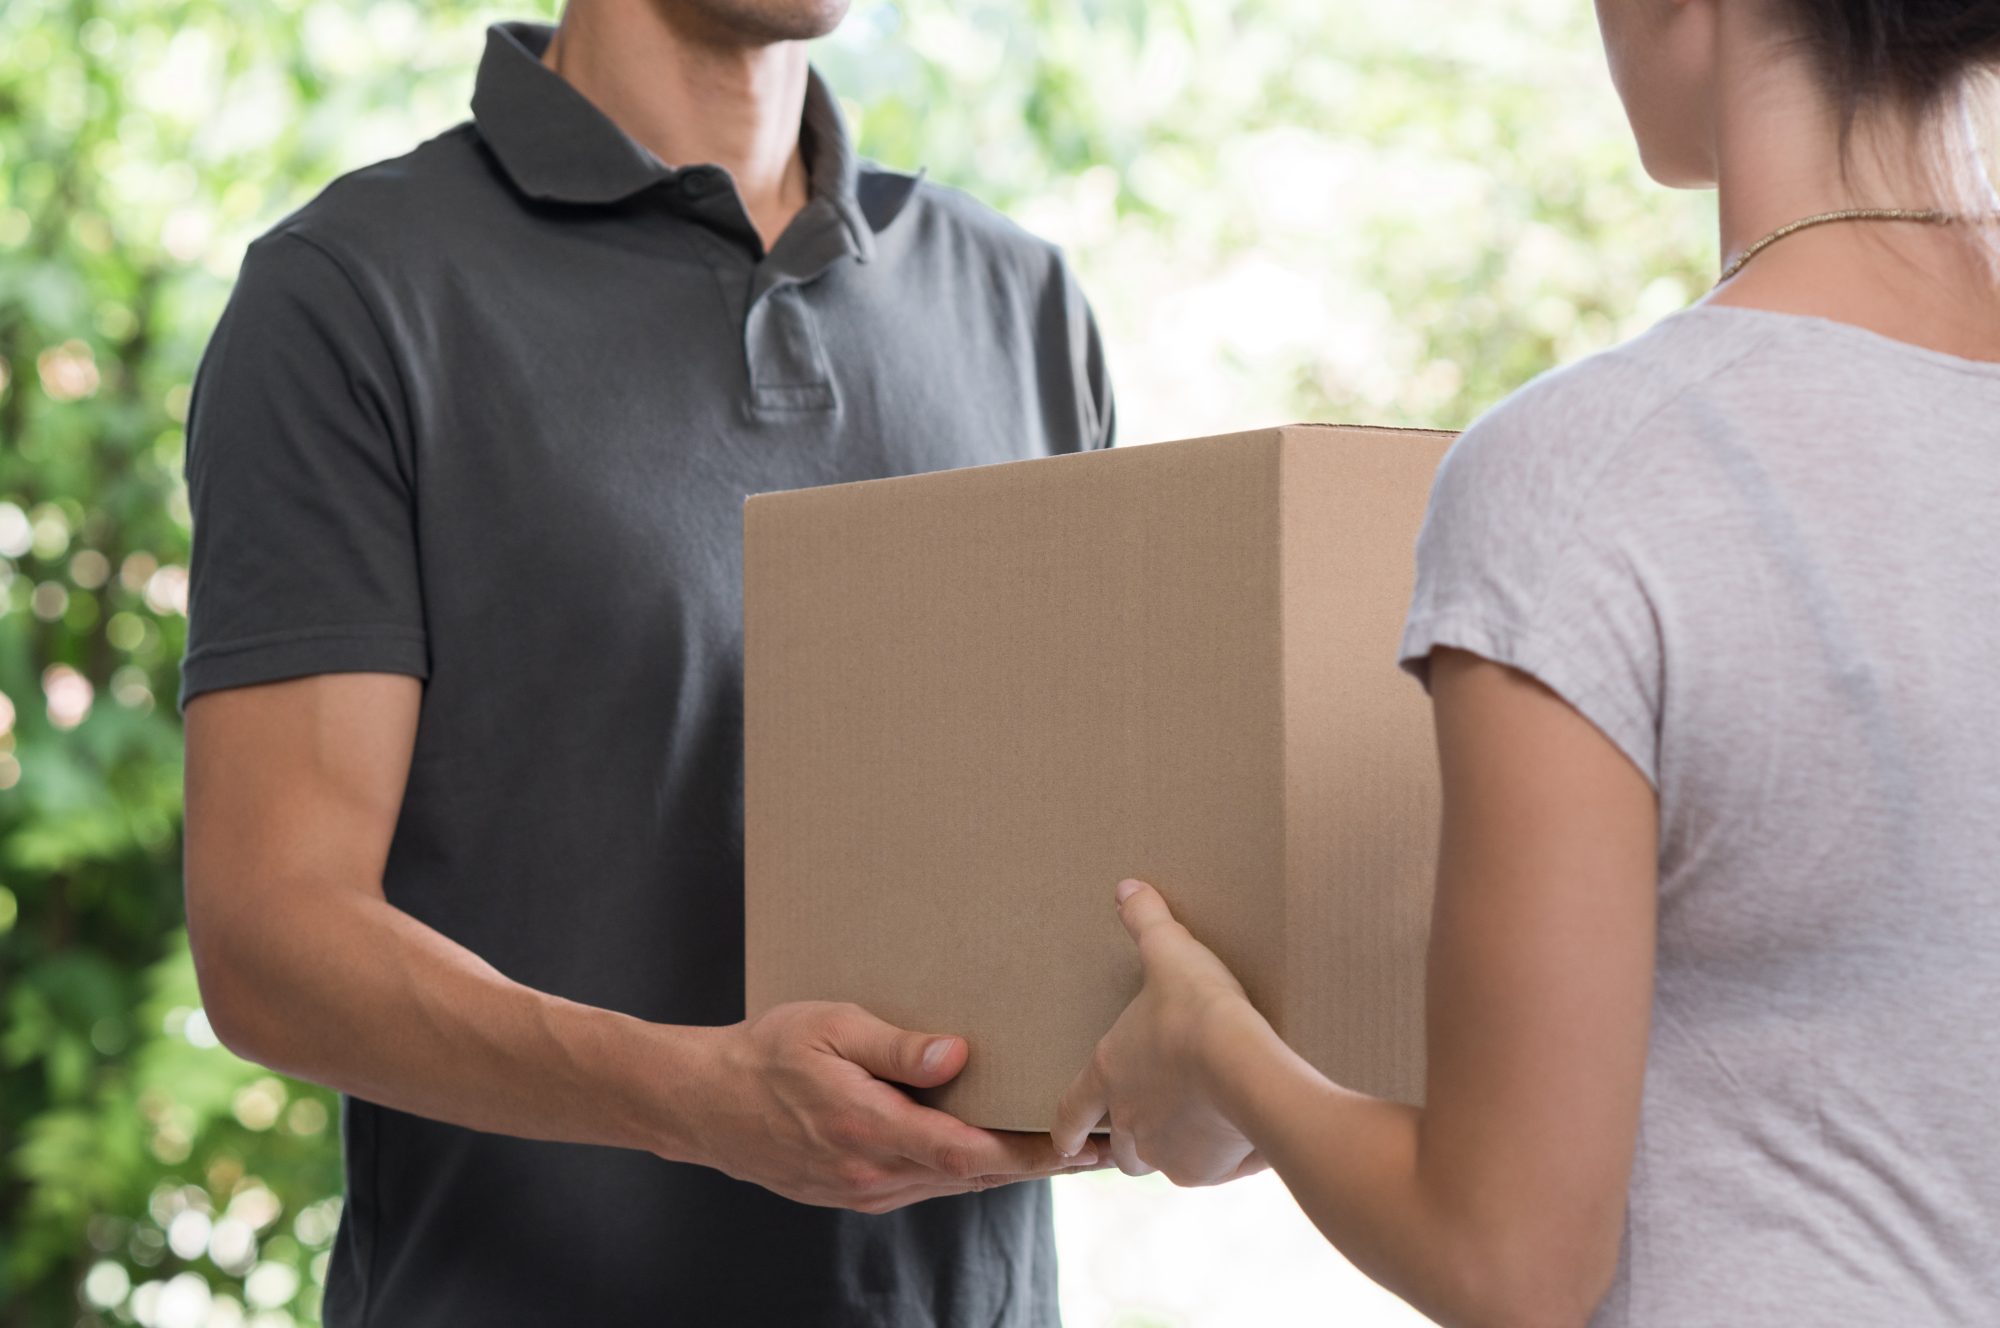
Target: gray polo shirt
486,415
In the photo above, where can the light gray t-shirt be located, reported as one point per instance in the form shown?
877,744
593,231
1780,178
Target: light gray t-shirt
1761,552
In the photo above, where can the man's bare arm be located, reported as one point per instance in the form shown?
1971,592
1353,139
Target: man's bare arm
293,793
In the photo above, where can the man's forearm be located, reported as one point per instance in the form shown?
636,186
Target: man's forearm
366,999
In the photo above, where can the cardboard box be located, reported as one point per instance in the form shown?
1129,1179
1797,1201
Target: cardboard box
978,699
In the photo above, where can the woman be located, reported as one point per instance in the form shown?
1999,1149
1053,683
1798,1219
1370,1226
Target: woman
1711,624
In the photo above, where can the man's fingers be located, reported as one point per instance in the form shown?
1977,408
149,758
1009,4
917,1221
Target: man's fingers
1070,1167
921,1060
902,1198
1079,1110
1141,908
1021,1153
958,1152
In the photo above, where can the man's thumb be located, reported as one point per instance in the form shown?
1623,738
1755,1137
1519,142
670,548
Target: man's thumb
921,1060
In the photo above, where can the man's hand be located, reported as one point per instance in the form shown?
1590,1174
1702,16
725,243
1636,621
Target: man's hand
797,1102
1148,1073
293,794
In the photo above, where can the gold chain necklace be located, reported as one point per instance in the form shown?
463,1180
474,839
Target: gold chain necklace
1927,216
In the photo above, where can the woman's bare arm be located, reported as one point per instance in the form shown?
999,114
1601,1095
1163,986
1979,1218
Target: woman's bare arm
1502,1201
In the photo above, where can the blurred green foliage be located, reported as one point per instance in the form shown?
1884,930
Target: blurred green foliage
1390,213
144,1172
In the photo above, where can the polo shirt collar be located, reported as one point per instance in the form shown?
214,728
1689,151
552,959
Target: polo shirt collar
556,145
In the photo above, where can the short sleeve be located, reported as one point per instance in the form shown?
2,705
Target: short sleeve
1070,364
1093,373
299,476
1527,558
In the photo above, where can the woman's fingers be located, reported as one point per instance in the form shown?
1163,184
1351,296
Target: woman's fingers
1079,1110
1142,908
1249,1166
1087,1100
1125,1152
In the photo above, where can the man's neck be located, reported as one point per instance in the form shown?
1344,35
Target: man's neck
692,96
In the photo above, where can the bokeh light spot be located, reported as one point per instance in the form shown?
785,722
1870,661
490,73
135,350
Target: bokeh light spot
131,688
89,569
172,1143
233,1246
68,372
108,1036
51,531
49,601
306,1117
183,1303
17,533
167,590
270,1285
198,1031
106,1284
258,1104
69,695
125,630
256,1205
187,1234
135,571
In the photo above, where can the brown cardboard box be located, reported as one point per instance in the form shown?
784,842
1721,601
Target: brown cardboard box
978,699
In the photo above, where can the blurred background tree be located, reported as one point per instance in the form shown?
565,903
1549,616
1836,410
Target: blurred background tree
1282,209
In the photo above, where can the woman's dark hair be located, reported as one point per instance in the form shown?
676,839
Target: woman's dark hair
1913,52
1927,59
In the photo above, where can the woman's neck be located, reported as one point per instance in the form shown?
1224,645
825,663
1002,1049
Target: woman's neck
1780,157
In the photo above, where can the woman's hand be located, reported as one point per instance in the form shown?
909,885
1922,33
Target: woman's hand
1149,1073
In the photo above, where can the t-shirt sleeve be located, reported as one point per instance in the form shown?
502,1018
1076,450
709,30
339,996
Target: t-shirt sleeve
1070,362
1093,372
1526,558
299,472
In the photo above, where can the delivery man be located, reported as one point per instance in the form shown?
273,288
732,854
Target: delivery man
467,458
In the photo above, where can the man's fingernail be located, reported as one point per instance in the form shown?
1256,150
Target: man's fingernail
935,1053
1126,888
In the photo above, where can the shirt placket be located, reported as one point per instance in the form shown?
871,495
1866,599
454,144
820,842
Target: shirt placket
786,372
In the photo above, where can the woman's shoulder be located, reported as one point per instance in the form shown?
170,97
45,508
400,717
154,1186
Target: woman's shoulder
1566,428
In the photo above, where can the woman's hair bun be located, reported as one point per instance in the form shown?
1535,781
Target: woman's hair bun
1913,51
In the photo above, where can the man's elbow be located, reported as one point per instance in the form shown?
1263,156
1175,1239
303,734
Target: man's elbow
232,997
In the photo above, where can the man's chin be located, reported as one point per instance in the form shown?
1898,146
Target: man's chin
762,22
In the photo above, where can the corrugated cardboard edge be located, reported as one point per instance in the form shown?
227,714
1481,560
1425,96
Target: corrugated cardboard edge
1348,565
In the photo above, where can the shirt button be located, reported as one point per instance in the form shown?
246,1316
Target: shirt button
699,182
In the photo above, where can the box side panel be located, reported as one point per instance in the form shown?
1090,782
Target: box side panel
1361,788
975,701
